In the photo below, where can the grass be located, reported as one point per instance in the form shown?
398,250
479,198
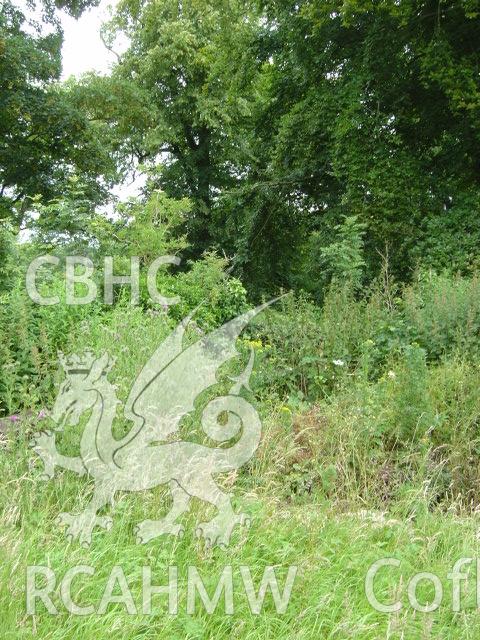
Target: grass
332,547
370,449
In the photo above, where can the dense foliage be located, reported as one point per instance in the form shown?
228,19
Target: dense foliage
276,119
279,120
324,151
44,138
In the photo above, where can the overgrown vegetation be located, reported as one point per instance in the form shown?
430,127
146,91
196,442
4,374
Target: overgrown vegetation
322,152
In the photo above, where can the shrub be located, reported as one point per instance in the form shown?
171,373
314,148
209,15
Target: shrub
206,284
443,313
30,335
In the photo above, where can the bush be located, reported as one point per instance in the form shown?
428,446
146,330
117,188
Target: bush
443,313
30,336
220,297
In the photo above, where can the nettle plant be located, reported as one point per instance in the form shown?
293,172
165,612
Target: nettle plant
343,259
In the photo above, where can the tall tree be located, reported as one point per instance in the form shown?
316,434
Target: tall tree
376,114
43,136
180,96
281,120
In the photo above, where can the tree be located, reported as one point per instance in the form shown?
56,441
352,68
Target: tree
180,97
375,113
43,137
279,121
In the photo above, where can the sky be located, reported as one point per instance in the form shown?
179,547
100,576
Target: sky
83,49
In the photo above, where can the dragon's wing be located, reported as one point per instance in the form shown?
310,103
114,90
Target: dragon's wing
172,379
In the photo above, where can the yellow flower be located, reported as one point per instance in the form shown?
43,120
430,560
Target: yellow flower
255,344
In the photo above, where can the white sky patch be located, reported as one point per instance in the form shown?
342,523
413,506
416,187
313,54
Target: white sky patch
83,49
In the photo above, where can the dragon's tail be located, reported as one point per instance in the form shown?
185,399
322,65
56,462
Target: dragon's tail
241,415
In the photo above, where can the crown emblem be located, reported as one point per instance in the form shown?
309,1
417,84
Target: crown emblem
77,363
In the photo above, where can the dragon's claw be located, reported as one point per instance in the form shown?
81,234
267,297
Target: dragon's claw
43,443
218,531
149,529
45,476
212,534
81,525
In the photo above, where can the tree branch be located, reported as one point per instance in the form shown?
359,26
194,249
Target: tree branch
104,42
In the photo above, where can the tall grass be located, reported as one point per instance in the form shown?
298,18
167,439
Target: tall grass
370,449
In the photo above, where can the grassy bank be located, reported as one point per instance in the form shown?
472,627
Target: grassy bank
369,450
